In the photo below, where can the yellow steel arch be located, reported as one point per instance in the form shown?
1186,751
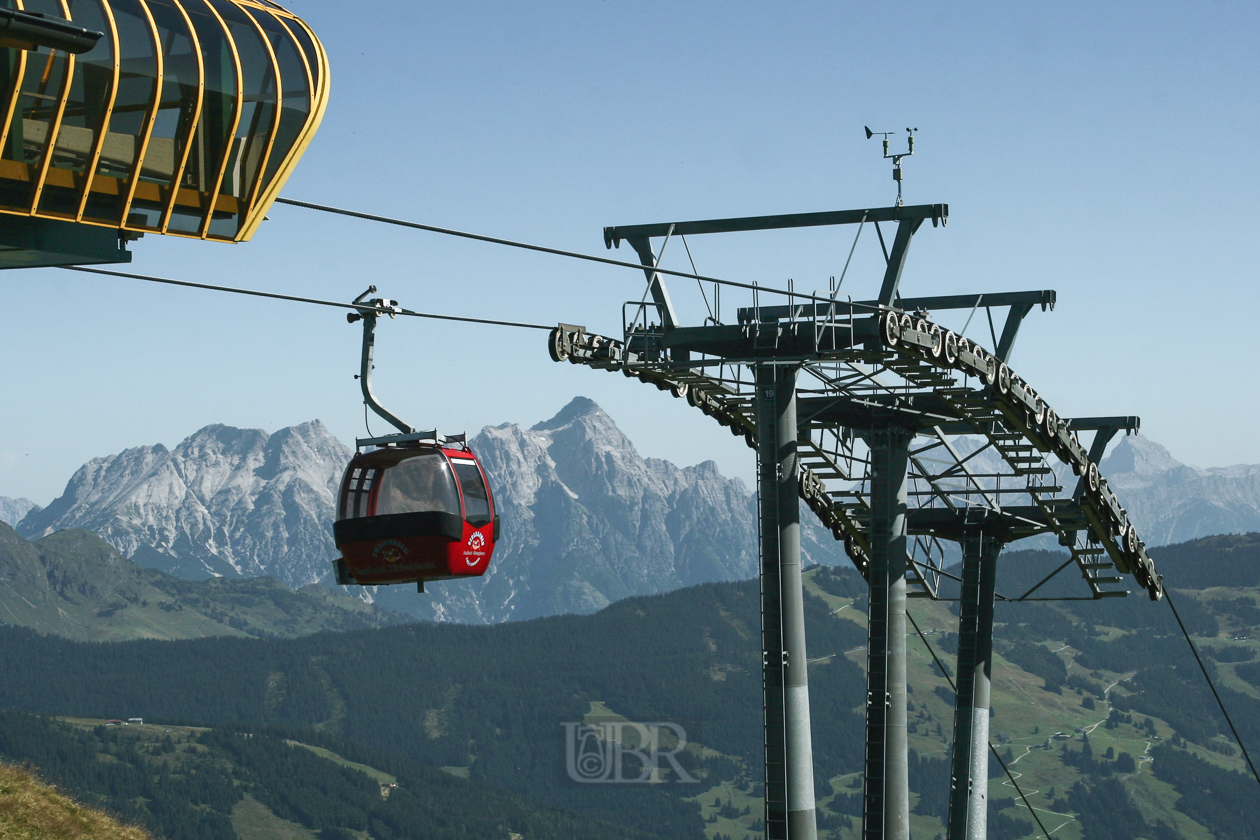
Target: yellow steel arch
163,128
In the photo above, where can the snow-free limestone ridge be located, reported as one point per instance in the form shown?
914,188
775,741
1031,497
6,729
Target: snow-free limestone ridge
224,502
1172,502
587,520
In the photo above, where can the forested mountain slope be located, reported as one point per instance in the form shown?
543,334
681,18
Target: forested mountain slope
1098,705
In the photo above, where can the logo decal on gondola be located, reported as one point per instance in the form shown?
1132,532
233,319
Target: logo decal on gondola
391,551
475,543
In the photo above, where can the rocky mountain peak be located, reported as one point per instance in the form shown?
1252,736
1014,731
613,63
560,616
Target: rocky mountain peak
584,427
577,409
12,511
588,520
1136,456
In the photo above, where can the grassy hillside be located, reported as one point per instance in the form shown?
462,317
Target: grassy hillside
33,810
73,584
1099,708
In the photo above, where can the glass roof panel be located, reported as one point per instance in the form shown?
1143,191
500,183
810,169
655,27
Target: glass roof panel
83,121
295,103
35,119
130,116
257,123
185,118
172,129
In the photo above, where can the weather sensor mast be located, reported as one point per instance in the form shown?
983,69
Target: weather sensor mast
896,158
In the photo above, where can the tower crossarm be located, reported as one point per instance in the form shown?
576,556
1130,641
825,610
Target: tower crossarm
901,368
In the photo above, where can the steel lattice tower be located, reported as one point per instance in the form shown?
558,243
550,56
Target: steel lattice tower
898,435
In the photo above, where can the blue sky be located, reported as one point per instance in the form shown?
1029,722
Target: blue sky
1101,150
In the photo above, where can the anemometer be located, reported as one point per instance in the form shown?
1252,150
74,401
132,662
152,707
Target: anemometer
896,158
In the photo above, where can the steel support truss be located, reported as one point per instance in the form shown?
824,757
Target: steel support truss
899,435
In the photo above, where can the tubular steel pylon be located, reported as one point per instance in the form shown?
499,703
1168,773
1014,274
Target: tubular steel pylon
897,434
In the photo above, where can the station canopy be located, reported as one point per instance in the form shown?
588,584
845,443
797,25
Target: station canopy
186,118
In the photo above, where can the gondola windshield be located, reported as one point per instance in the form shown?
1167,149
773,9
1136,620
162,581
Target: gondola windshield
417,484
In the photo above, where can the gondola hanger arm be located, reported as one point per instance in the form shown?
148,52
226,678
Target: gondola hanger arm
368,314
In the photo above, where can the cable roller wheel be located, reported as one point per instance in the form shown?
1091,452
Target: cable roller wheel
990,365
1051,423
556,347
891,328
907,323
950,348
938,341
1004,379
679,389
1131,541
1091,477
921,326
1039,409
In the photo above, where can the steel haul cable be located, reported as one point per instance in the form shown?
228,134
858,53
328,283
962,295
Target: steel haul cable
387,220
296,299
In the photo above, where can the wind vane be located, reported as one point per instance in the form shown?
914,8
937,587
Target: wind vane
896,158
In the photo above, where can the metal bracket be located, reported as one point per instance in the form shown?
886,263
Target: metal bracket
431,436
656,283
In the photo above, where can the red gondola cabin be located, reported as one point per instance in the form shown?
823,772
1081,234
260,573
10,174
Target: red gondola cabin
414,513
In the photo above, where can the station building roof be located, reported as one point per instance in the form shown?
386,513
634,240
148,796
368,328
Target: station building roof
186,118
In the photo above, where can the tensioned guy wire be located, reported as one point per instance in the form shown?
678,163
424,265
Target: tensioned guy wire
1211,685
296,299
371,217
941,666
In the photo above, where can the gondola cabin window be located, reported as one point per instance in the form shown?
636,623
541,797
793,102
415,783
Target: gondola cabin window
476,497
358,492
418,484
